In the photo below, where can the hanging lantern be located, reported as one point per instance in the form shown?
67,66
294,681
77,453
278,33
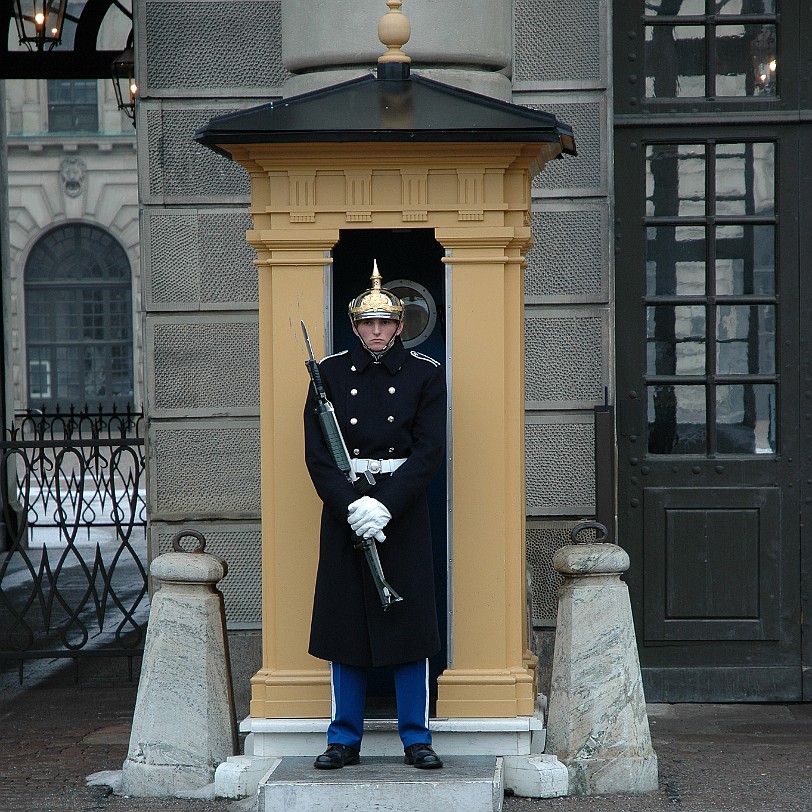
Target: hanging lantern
123,70
39,23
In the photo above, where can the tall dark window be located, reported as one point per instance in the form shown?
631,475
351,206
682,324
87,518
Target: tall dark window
711,298
78,306
710,220
73,105
710,48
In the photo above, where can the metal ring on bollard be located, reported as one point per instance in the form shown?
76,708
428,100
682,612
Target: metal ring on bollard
601,533
201,541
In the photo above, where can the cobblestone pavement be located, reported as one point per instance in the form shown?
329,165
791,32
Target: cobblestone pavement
739,758
54,732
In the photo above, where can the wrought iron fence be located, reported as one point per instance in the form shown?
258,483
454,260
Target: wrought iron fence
73,581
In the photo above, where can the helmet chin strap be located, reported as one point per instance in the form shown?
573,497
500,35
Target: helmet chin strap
378,354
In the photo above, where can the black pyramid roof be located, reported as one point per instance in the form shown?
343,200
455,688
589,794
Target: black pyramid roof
402,109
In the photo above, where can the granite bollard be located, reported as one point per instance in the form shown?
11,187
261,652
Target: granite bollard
184,723
597,724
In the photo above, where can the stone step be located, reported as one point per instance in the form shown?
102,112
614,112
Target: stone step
513,736
384,784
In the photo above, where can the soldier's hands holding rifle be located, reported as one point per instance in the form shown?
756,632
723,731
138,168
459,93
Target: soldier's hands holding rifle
368,517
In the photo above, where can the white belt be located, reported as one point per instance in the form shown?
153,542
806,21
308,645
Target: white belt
376,466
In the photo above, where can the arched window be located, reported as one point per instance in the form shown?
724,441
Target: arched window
78,308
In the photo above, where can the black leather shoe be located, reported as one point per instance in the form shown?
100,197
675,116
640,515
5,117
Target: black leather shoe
335,757
422,756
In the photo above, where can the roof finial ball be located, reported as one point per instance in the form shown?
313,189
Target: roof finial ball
394,30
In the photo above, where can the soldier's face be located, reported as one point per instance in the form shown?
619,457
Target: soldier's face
377,333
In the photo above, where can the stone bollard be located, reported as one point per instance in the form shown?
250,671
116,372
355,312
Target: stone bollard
184,723
597,724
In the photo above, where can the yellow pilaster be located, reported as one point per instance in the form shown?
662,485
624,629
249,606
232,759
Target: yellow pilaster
290,683
490,674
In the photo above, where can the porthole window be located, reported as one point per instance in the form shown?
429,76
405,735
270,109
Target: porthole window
420,311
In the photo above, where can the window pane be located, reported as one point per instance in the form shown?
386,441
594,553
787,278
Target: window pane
746,60
95,372
738,7
416,314
69,376
681,8
745,260
92,315
38,317
676,420
676,340
675,61
120,311
73,105
66,315
39,374
675,180
121,377
745,340
675,261
745,419
745,178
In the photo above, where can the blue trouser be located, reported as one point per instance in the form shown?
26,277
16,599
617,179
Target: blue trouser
349,690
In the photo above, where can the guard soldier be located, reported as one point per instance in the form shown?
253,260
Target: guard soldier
390,405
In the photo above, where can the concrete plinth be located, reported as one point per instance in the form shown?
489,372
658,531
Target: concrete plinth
535,776
183,725
518,741
519,735
465,784
597,723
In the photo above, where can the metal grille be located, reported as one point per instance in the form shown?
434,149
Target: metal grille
557,41
180,168
241,547
553,268
72,575
560,453
542,543
589,171
249,57
563,357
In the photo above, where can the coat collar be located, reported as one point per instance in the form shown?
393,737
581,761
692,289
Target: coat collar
392,359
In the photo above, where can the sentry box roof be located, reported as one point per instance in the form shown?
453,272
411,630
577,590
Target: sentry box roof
393,107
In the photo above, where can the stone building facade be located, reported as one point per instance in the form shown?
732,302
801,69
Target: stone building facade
72,200
668,278
200,283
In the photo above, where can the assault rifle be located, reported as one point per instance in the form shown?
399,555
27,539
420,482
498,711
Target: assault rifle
338,451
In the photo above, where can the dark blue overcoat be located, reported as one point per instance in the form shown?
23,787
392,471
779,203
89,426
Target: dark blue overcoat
394,408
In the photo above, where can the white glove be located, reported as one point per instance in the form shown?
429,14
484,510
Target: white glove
368,517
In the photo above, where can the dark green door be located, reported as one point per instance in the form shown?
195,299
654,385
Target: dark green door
711,216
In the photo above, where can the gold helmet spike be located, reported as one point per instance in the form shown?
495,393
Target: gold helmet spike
376,302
